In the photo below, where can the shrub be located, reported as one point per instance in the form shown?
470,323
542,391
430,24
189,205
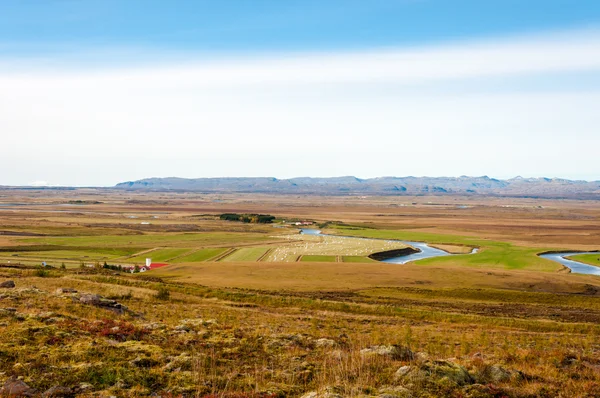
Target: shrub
163,293
42,273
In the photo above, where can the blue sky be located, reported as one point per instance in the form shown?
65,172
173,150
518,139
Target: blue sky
205,27
499,88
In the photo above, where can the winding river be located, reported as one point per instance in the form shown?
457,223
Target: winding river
426,251
575,266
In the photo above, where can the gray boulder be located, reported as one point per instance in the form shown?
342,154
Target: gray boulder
7,284
99,301
17,388
65,290
435,370
395,352
58,391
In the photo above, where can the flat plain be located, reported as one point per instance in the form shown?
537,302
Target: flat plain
253,310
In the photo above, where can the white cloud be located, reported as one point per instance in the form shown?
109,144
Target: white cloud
372,113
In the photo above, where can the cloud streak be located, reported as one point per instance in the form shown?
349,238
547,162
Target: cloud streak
422,111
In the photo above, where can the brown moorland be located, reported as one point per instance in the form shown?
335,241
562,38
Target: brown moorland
263,329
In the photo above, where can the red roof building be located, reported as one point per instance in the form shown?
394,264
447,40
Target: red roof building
157,265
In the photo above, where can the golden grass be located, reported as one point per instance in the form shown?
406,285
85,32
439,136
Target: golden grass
340,276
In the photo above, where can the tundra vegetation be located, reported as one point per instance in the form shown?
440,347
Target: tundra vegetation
227,319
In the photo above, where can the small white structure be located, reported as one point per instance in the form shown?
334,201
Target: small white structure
148,262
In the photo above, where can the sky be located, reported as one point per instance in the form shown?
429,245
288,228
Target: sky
97,92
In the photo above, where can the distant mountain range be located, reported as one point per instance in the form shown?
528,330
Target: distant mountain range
517,187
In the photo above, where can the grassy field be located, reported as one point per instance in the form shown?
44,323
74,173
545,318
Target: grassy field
505,339
318,258
592,259
293,246
357,259
160,255
246,254
499,323
153,240
492,254
201,255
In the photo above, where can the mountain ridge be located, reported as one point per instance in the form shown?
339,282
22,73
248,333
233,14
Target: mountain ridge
387,185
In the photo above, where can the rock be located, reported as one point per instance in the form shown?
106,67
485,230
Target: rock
288,340
17,388
435,370
154,326
65,290
7,284
325,343
99,301
179,363
395,352
330,392
498,374
83,388
403,371
59,391
121,384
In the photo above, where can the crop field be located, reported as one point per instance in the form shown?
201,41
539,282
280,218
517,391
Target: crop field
310,245
246,254
159,255
318,258
201,255
153,240
357,259
255,311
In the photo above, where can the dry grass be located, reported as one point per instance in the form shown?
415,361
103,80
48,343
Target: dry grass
253,329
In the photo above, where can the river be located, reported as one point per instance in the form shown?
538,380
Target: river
575,266
426,251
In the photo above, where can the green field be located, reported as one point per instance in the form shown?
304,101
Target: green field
64,254
246,254
68,253
159,255
201,255
492,254
357,259
317,258
154,240
592,259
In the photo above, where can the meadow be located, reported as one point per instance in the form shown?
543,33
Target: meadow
226,320
592,259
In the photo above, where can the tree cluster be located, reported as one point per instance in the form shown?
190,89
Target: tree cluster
248,218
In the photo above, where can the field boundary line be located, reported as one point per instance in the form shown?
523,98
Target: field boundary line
137,254
185,254
265,254
223,255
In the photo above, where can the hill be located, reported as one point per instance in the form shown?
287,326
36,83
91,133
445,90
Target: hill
464,185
